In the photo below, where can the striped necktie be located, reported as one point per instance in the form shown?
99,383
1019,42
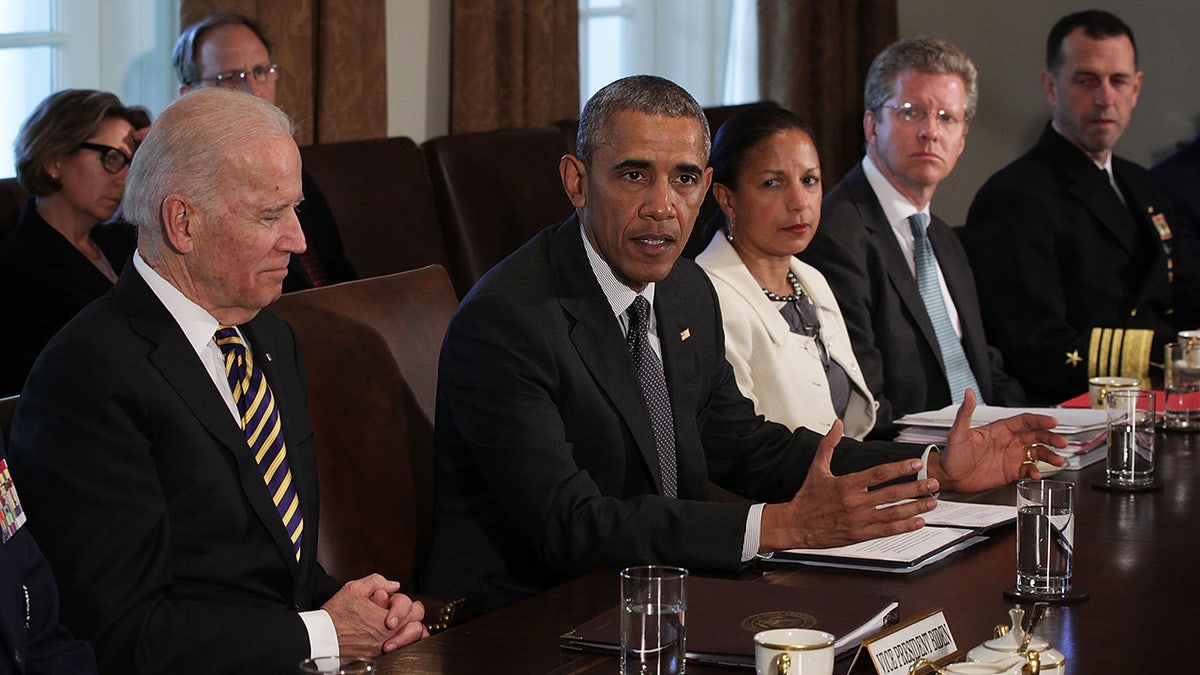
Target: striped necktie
654,389
264,433
958,372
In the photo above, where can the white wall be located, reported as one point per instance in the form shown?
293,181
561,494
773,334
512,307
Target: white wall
418,68
1007,41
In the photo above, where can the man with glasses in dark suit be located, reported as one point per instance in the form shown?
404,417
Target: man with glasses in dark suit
231,51
899,273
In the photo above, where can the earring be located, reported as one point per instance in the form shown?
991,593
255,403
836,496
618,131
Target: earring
729,231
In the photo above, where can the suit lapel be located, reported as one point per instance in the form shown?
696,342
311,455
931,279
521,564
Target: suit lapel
680,366
598,341
183,371
264,349
1143,211
894,262
1087,184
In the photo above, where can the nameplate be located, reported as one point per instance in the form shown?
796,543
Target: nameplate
927,637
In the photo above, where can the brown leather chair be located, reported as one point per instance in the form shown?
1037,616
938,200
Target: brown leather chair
371,353
494,190
12,200
380,194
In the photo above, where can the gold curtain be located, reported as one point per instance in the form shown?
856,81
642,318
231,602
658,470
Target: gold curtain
332,56
813,57
515,63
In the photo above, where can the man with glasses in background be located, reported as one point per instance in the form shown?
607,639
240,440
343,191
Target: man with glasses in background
899,274
231,51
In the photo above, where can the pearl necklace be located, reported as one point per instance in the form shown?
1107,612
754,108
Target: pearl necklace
797,291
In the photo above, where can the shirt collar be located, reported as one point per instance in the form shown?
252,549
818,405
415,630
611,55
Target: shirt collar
1106,165
197,324
896,208
619,296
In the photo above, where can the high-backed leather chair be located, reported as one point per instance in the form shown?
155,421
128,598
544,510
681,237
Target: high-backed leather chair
12,199
380,194
370,350
494,190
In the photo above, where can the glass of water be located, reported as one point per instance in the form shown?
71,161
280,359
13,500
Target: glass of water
1045,537
1182,379
1131,417
653,627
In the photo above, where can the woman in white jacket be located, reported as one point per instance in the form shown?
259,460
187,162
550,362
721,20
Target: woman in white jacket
784,333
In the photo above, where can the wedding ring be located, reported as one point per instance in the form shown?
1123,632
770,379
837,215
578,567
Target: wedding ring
1029,455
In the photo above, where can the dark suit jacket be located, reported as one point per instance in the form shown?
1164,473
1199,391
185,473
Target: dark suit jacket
897,349
546,463
1179,176
1057,254
148,503
45,646
44,281
321,235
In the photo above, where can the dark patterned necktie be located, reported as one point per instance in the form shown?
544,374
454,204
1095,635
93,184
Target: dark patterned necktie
958,371
654,389
264,433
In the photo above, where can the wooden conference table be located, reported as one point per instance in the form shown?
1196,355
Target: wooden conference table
1138,555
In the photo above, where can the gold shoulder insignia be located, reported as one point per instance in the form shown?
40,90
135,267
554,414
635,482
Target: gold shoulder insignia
1073,358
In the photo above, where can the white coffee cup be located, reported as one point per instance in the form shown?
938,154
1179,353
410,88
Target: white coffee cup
793,651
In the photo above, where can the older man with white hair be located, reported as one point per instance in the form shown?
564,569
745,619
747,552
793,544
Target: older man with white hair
163,441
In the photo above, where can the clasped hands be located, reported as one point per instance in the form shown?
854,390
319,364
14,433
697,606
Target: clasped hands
372,617
833,510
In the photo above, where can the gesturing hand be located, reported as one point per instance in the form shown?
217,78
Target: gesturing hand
995,454
833,510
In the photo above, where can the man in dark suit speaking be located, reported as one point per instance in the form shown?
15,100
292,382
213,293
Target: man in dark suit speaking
584,400
163,442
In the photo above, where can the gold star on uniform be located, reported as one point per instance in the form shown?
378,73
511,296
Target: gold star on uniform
1073,358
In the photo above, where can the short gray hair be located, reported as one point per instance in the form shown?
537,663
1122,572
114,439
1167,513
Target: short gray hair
190,148
933,56
648,94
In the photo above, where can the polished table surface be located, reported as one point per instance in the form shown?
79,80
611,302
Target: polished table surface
1138,555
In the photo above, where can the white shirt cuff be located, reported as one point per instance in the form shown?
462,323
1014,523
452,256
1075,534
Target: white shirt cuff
924,472
753,533
322,636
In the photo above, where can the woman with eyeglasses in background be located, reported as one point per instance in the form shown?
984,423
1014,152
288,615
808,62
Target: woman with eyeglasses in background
72,155
784,333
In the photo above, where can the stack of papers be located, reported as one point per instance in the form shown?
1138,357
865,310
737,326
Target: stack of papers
1085,429
950,527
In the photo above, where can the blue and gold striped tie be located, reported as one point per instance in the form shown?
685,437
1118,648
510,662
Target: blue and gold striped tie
958,371
264,433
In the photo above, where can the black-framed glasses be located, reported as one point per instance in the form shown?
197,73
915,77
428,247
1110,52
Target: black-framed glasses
114,160
907,113
234,78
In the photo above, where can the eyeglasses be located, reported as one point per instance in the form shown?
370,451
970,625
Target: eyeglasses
907,113
234,78
114,160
